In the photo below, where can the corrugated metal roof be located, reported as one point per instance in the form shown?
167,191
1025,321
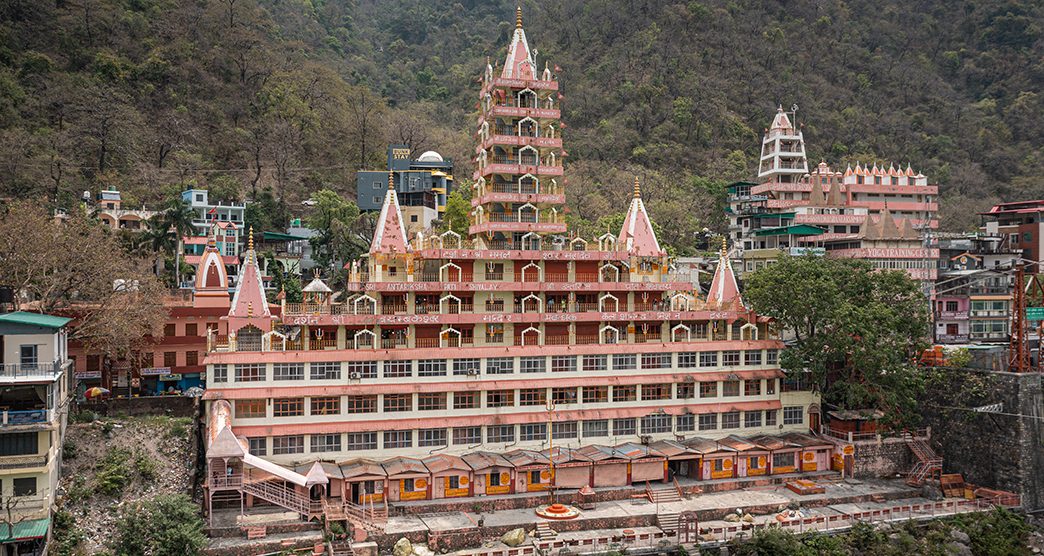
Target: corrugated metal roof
29,529
34,319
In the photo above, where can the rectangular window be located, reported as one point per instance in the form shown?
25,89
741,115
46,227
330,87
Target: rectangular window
361,441
431,437
770,386
288,371
288,444
287,407
596,394
362,369
466,367
532,396
500,365
685,390
708,421
730,420
431,401
500,398
191,358
565,430
170,358
624,427
656,392
708,359
250,409
708,389
326,405
685,423
326,370
793,415
563,363
500,433
596,429
398,402
595,362
531,432
752,357
688,360
625,393
751,387
19,444
258,446
191,329
431,367
467,435
465,400
361,404
730,358
532,364
730,388
563,395
785,459
770,417
656,360
652,424
250,372
326,443
772,357
398,439
625,362
751,418
398,369
220,372
170,330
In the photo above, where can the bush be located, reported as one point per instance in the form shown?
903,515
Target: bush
144,465
80,490
167,525
69,450
66,535
113,472
996,533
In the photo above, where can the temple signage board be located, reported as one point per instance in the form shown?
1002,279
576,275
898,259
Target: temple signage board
1034,313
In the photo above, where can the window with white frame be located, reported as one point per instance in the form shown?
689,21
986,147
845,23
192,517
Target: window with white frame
362,369
652,424
708,359
220,373
595,362
431,367
597,428
532,364
288,371
685,423
431,437
624,427
398,439
793,415
326,443
688,360
563,363
532,432
500,365
467,435
751,418
752,357
564,430
708,421
730,420
398,369
326,370
361,441
258,446
293,444
625,362
466,367
500,433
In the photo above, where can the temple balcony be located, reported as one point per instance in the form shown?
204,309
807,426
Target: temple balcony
514,140
513,226
512,167
535,84
507,110
484,198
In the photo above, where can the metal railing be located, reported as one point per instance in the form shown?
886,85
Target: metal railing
31,370
9,418
18,462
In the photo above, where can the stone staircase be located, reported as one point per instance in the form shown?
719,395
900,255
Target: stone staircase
662,494
340,548
929,464
668,522
544,531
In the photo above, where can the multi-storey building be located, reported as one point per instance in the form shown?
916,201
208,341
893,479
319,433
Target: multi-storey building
36,380
973,293
794,210
422,183
513,361
1019,226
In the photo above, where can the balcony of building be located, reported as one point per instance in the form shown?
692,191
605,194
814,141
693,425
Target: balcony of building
952,338
31,371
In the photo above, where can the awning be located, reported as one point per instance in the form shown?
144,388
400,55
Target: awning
797,230
277,236
25,530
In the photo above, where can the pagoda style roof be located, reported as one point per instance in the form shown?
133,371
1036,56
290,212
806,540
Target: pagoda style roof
723,289
519,63
636,234
390,234
249,299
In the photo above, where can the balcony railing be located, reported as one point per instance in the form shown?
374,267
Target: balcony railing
975,313
31,370
19,462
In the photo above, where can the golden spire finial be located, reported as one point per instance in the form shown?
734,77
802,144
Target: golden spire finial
250,309
724,248
637,188
391,180
250,240
518,16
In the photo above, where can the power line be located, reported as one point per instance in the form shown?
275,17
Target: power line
196,170
973,410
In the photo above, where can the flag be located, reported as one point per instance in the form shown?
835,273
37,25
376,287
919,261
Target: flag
557,68
213,211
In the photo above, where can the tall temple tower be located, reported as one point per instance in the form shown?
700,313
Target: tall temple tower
782,152
519,196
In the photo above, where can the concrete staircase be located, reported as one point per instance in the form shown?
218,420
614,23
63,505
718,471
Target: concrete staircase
669,522
662,494
544,532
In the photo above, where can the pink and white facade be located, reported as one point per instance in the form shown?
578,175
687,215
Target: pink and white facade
795,210
490,349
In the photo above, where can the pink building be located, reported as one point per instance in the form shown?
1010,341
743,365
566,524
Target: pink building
517,360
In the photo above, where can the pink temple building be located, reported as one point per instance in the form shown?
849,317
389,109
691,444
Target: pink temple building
880,214
516,360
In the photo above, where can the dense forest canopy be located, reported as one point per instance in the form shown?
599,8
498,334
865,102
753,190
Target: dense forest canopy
280,98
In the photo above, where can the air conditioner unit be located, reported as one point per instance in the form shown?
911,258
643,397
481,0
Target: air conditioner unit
354,376
472,372
646,439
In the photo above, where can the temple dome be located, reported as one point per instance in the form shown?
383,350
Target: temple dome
430,156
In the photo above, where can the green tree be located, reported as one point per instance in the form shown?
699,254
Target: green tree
458,210
265,213
167,525
856,330
342,231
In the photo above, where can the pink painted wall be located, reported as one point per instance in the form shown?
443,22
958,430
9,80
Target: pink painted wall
647,471
572,477
613,474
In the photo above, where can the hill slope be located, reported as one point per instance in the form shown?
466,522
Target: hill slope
295,95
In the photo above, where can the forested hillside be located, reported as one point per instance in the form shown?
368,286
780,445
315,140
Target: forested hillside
274,99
